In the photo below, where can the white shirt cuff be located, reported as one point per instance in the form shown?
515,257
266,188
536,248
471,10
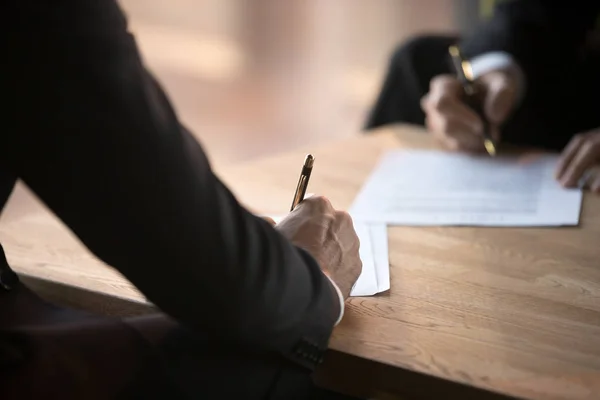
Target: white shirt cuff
496,60
341,297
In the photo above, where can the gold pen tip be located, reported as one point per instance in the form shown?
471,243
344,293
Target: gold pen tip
309,161
454,52
490,147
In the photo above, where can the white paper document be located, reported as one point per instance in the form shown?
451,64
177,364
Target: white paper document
437,188
375,276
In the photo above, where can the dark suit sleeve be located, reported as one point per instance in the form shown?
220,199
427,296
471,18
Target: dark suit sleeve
95,137
539,34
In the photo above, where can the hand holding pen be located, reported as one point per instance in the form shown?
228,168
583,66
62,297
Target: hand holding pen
461,121
327,234
472,96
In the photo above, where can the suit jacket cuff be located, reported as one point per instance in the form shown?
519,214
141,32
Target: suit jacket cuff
499,60
325,312
340,297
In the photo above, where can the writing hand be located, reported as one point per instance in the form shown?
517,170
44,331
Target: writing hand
456,126
329,236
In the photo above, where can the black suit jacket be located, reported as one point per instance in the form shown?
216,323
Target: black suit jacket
88,129
551,42
538,33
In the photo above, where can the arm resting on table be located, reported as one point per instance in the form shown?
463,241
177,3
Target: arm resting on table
94,136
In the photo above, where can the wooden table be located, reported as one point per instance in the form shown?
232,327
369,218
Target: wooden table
510,311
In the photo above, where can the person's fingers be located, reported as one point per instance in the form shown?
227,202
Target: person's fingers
344,219
595,183
500,95
446,83
454,112
320,202
345,224
445,98
316,205
588,154
567,155
454,133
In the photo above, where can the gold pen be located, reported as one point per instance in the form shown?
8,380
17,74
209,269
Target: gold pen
303,181
465,76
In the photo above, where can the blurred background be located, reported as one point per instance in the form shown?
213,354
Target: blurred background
254,77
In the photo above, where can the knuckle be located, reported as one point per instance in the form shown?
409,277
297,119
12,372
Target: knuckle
502,79
441,82
442,101
329,220
320,201
579,138
434,83
588,146
425,100
343,216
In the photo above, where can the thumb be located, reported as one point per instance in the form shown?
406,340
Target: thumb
500,97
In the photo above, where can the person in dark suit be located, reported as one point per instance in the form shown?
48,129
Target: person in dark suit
249,307
537,63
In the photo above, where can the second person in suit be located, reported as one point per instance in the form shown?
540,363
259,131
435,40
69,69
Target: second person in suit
537,64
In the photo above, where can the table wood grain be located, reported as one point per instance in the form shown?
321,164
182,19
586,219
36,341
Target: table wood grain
510,310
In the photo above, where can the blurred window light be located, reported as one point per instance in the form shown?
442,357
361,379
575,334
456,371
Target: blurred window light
189,52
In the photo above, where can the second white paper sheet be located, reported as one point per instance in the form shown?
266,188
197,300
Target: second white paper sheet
437,188
375,276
